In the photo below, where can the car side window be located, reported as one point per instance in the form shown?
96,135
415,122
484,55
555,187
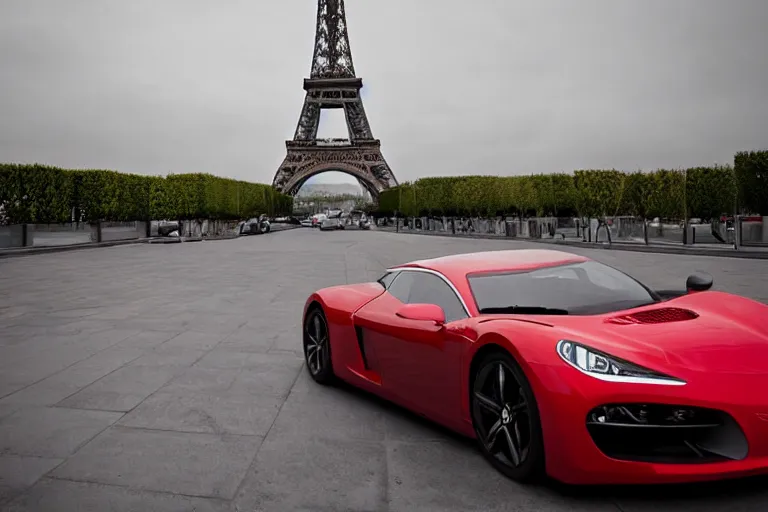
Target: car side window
387,279
400,288
431,289
423,288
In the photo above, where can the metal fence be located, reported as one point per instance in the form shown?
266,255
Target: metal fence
725,232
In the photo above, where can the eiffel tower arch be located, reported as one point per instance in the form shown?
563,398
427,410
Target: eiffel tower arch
333,84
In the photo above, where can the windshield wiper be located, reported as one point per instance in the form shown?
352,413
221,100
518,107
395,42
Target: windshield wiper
523,310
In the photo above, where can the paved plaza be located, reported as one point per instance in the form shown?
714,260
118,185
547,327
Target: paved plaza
155,378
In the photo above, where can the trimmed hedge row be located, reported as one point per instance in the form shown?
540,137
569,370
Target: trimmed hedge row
703,192
41,194
751,168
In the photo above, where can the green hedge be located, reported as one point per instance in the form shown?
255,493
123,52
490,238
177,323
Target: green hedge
41,194
751,169
35,192
703,192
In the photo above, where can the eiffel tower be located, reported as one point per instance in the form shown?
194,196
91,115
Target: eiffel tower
333,84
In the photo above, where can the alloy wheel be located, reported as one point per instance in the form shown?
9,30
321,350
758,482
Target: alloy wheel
502,415
316,342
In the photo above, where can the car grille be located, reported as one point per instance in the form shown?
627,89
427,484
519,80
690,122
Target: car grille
666,434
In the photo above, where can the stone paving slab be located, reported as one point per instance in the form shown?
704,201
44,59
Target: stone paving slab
123,389
174,462
69,381
51,432
66,496
189,356
463,483
336,414
316,473
19,473
206,413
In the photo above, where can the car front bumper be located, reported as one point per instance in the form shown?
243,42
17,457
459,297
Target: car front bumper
566,397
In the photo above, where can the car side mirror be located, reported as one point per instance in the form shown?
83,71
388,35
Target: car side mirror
699,282
422,312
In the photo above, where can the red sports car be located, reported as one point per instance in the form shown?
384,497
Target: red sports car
558,365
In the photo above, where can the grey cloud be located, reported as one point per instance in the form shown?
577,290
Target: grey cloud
503,86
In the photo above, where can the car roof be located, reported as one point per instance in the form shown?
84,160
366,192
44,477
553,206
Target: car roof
457,266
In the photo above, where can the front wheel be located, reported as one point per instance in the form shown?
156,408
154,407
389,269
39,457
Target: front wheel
317,346
506,418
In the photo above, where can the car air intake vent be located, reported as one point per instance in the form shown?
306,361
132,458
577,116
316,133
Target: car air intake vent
654,316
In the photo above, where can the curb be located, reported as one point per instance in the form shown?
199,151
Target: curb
30,251
657,249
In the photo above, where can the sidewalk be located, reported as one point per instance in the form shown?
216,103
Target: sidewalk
28,251
723,251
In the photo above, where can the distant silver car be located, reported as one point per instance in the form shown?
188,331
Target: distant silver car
317,219
334,220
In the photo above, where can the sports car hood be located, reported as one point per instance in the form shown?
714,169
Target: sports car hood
728,334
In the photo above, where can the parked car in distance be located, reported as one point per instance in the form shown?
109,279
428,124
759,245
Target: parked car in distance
255,226
318,219
333,220
359,219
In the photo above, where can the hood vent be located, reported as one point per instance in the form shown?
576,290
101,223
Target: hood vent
654,316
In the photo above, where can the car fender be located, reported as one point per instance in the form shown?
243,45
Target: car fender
339,304
343,301
532,343
524,340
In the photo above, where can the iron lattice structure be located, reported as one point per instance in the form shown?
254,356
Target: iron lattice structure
333,84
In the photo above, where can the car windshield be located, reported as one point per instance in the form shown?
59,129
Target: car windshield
587,288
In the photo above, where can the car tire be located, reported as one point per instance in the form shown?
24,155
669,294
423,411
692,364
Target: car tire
519,426
317,346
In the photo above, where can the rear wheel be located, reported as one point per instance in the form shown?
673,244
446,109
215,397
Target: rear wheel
317,346
506,419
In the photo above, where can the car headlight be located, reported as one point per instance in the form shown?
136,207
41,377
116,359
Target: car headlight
608,368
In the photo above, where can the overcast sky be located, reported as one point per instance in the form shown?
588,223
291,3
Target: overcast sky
504,87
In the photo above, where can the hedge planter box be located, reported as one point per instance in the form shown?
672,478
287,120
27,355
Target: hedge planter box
51,235
46,235
11,236
69,233
754,231
609,230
